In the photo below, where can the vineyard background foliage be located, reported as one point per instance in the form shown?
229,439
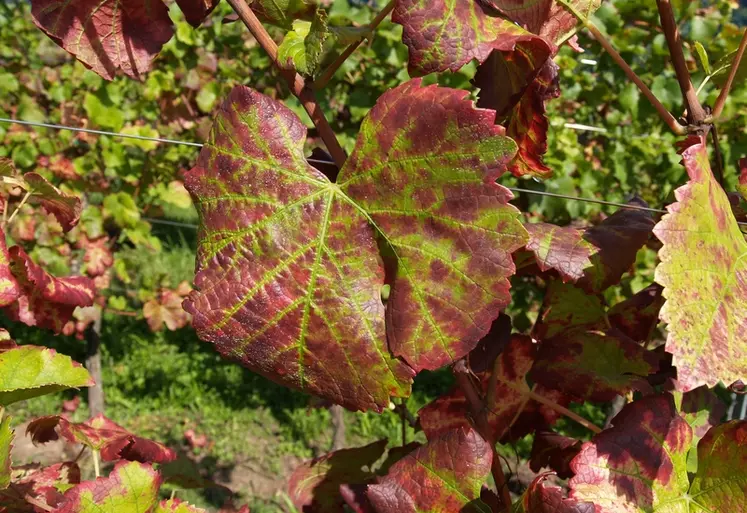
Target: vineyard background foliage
103,247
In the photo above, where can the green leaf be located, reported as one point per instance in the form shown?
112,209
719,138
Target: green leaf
290,265
703,270
30,371
130,488
302,47
6,444
445,475
283,12
700,51
102,114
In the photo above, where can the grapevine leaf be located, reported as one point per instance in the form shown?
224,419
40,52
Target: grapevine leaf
195,11
40,484
539,498
302,47
562,249
64,207
639,314
9,288
547,18
639,463
30,371
314,485
619,237
131,487
527,123
422,158
593,364
447,35
176,506
6,444
568,307
702,409
444,475
742,182
703,270
550,449
283,12
356,499
289,273
101,434
107,35
514,414
46,301
166,310
720,483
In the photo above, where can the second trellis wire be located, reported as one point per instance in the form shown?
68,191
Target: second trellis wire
200,145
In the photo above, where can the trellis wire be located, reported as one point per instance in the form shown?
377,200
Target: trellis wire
200,145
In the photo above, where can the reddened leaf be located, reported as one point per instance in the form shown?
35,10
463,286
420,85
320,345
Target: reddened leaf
639,464
561,248
6,444
40,484
593,364
64,207
703,270
444,475
166,310
540,498
547,18
638,315
9,288
514,414
446,35
289,267
195,11
702,409
568,307
46,301
131,487
30,371
315,485
555,451
101,434
107,35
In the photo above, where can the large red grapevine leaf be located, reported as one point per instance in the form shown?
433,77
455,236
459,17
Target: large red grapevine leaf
39,484
638,315
561,248
720,483
195,11
447,34
514,414
555,451
539,498
31,371
9,288
548,18
637,465
131,487
46,301
592,364
101,434
289,271
6,444
704,273
445,475
107,35
423,170
314,485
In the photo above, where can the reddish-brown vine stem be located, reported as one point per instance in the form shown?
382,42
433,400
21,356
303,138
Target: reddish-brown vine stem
295,81
328,73
664,114
718,107
695,111
477,411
